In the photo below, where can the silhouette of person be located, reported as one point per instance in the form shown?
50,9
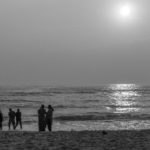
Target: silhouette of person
18,118
49,117
11,115
1,120
41,118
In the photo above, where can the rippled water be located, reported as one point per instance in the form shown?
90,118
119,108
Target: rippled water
114,107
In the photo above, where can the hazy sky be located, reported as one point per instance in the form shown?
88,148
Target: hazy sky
74,42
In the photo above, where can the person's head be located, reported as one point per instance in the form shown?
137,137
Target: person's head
49,107
10,109
18,110
42,106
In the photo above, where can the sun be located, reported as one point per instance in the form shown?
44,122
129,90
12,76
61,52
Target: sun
125,11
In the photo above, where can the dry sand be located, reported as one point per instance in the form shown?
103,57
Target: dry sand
84,140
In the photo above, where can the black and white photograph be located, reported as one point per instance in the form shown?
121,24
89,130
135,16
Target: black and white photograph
75,75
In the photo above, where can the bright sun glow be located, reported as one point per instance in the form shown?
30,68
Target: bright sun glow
125,11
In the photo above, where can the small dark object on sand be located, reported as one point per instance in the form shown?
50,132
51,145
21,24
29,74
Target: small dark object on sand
104,132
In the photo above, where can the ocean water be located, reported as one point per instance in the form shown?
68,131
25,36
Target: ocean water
113,107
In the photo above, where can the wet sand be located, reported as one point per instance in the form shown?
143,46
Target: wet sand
73,140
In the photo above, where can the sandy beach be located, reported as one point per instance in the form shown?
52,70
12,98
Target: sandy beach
73,140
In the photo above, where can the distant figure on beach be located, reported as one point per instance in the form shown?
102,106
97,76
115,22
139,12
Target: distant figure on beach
11,116
1,120
18,119
41,118
49,117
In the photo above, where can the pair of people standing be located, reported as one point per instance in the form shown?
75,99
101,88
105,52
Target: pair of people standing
45,118
12,115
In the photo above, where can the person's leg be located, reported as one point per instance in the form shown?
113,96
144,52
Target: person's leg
40,125
9,123
16,124
43,126
20,122
49,125
13,123
0,126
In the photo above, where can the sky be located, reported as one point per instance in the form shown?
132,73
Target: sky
74,42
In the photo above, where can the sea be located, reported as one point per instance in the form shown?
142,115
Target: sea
106,107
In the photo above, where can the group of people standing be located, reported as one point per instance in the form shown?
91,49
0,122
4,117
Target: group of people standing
45,118
14,119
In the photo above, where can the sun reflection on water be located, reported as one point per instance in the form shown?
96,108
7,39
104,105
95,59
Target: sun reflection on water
123,86
124,97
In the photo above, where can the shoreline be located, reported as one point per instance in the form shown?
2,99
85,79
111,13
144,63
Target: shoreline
76,140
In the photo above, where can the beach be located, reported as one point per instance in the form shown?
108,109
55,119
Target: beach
75,140
80,116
